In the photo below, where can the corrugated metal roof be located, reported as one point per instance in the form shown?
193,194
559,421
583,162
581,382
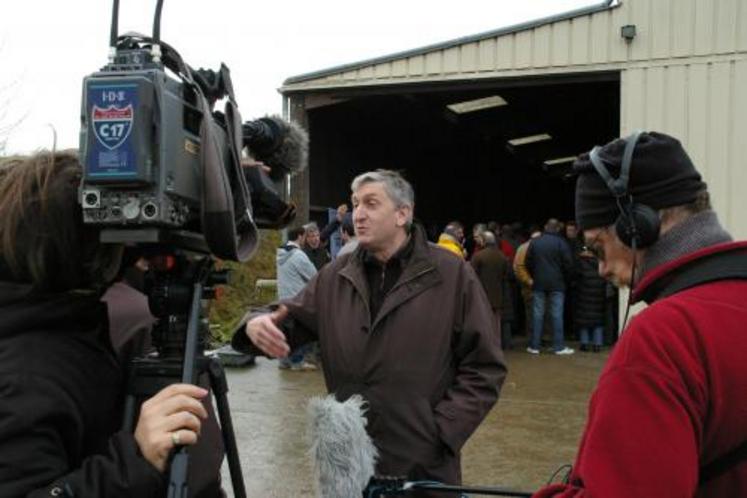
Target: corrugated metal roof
592,9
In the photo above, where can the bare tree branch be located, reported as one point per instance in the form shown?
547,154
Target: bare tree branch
9,90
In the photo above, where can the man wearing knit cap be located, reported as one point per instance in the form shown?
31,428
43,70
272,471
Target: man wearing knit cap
669,414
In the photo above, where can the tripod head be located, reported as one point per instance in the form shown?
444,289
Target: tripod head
170,285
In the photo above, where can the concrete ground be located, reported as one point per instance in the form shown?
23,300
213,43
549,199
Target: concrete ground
532,430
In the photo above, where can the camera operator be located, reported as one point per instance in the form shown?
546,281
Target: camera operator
61,386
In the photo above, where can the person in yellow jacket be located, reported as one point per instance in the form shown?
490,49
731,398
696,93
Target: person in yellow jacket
451,238
524,278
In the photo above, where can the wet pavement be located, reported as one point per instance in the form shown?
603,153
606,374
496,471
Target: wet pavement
532,430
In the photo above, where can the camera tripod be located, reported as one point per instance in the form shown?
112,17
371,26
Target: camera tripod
176,290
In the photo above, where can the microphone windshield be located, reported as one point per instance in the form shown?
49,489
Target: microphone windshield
342,453
281,145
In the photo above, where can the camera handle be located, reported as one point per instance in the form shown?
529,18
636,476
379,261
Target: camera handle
150,375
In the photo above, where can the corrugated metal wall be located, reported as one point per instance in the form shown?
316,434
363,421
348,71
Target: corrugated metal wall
691,82
666,29
705,106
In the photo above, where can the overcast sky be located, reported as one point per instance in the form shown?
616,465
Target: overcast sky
48,46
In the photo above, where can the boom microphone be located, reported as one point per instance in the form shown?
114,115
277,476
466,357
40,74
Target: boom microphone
284,148
343,455
281,145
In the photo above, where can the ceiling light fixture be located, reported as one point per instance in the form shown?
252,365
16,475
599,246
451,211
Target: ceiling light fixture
530,139
477,104
560,160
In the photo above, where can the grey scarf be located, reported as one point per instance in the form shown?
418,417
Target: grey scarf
697,232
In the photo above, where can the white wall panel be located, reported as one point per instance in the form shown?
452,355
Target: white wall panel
523,49
705,106
451,60
468,58
641,18
738,158
505,51
683,26
580,41
703,29
599,38
487,55
718,153
661,15
726,25
561,43
675,101
541,48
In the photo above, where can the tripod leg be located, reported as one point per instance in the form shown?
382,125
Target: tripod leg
220,390
128,420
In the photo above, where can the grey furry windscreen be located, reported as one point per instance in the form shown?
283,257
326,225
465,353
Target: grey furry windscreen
342,454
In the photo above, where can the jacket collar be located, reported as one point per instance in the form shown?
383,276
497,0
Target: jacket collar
22,310
697,232
676,275
418,266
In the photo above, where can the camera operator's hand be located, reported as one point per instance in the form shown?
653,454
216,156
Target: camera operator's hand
263,331
169,418
253,163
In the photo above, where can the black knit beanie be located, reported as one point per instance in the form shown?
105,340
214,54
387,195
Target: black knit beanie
661,176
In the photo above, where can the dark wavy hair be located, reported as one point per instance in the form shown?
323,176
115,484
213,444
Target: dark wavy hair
43,241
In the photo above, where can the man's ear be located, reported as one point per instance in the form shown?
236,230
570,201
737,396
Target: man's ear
404,213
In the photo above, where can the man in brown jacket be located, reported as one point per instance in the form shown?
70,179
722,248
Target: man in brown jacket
493,269
403,323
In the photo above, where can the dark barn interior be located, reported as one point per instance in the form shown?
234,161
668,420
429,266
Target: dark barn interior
462,165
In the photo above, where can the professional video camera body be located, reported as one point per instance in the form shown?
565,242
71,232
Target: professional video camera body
163,172
160,166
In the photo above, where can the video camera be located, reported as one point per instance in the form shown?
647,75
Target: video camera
164,172
161,167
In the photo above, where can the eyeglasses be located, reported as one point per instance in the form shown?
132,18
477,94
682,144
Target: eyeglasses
594,247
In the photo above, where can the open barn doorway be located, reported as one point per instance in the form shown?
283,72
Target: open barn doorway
475,152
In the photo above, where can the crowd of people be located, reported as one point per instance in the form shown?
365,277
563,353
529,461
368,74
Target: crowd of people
415,328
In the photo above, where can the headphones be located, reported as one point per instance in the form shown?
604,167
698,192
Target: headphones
638,225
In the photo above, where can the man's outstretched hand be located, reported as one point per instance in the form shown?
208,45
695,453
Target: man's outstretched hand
265,333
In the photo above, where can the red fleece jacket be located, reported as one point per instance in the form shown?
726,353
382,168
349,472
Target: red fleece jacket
671,398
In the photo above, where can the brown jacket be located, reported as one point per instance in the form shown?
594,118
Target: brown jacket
492,269
430,364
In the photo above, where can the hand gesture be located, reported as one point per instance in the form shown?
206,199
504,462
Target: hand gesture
342,210
263,331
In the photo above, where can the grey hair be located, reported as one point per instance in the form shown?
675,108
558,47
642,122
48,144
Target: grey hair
452,229
397,188
489,238
677,214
